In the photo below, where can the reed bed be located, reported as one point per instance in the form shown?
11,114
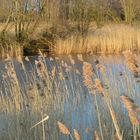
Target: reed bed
110,39
12,50
72,97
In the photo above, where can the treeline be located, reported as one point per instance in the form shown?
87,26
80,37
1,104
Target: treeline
55,10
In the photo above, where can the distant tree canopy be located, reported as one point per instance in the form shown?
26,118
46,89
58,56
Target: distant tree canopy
97,10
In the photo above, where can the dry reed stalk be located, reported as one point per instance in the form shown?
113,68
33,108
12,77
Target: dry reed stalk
51,59
61,76
87,74
31,94
43,120
71,60
27,59
19,58
53,72
101,68
17,104
108,39
133,118
87,69
63,129
7,57
129,103
80,57
99,118
96,135
68,69
132,110
40,68
114,119
76,135
77,71
88,83
100,89
11,72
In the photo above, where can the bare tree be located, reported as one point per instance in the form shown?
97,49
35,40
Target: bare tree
130,9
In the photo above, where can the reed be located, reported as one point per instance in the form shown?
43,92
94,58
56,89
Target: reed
96,135
110,39
133,113
131,62
87,74
63,129
132,109
56,87
76,135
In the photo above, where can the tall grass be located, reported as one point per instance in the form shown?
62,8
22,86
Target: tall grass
110,39
76,17
11,50
78,102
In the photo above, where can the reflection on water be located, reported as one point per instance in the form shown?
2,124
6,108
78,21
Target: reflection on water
72,103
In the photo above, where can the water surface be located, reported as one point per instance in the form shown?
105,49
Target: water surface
70,101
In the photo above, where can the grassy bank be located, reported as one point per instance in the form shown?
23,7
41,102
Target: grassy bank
110,39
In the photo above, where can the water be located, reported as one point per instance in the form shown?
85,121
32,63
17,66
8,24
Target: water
71,103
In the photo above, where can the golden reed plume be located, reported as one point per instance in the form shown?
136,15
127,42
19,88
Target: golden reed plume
132,109
87,75
96,135
63,129
76,135
99,86
131,62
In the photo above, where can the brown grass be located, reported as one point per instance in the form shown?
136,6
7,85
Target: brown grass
108,39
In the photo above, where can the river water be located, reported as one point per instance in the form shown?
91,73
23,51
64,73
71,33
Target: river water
70,101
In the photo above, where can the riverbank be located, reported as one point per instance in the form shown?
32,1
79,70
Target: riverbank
108,39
